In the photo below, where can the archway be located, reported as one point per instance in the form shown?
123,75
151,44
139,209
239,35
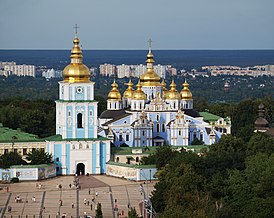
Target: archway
80,169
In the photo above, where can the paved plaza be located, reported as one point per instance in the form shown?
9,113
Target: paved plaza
44,198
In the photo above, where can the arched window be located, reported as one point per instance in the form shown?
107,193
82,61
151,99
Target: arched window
90,113
163,127
127,137
158,127
115,105
180,133
158,117
120,136
201,136
174,105
117,159
110,105
79,120
137,159
144,133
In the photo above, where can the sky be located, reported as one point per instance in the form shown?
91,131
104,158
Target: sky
127,24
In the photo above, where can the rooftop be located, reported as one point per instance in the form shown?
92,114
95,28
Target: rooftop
11,135
209,116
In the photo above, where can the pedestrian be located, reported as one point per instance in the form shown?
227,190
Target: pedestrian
88,202
90,206
89,191
69,185
96,194
85,201
9,208
72,205
60,202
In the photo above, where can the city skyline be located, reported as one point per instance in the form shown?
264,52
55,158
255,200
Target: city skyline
122,24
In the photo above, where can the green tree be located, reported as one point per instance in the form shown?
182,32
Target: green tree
99,213
39,156
132,213
11,158
196,141
260,142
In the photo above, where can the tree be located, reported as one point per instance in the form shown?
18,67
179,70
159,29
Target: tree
39,156
99,213
11,158
260,142
196,141
132,213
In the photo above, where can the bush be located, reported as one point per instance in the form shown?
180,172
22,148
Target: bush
14,180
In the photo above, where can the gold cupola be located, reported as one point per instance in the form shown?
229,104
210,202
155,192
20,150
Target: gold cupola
186,93
139,94
150,78
129,91
173,94
76,71
165,90
114,94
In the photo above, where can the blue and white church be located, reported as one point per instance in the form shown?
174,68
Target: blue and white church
152,115
76,147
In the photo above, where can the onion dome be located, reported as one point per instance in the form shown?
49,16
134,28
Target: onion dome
114,94
173,93
261,123
165,90
150,78
76,71
129,91
186,93
139,94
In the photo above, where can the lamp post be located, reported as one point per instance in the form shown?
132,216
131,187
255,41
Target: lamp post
148,208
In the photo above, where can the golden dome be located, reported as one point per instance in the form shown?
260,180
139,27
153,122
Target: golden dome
173,93
129,91
76,71
150,78
114,94
139,94
165,91
186,93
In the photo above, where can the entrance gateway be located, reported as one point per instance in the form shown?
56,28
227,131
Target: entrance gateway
80,169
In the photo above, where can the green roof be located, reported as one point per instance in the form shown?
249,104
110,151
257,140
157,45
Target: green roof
128,150
59,138
131,165
11,135
31,166
209,117
151,150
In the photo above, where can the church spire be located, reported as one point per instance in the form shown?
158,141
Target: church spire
76,71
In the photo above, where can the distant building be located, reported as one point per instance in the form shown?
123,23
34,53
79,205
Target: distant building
267,70
107,69
51,73
10,68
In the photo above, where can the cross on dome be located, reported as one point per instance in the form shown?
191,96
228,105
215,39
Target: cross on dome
76,27
149,44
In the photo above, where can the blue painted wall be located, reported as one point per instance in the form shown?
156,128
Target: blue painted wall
58,154
93,158
68,158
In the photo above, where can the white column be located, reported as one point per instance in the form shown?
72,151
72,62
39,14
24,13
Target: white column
98,167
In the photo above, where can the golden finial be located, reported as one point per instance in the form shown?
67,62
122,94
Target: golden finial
114,94
173,93
139,94
186,93
129,91
150,78
76,71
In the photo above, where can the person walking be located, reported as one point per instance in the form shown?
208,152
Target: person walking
72,205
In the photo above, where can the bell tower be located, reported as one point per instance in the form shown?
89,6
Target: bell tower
76,110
